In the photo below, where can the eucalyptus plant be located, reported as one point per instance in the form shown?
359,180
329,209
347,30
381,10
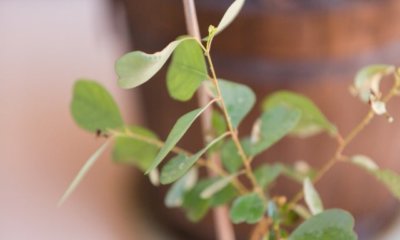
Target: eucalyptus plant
236,183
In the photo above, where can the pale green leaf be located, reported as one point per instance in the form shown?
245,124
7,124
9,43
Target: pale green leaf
175,195
388,177
217,186
311,197
368,79
93,108
230,15
239,100
266,174
247,208
276,122
186,71
331,224
312,120
180,164
177,132
133,151
223,196
135,68
82,172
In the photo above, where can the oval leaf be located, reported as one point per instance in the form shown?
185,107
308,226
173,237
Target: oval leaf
312,121
177,132
266,174
186,71
180,164
230,15
276,122
248,208
330,224
195,206
136,68
364,162
93,108
239,100
311,197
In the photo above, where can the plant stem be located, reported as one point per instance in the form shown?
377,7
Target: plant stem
234,134
224,228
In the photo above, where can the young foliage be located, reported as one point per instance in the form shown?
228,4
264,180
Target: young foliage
276,122
136,68
93,108
328,225
312,120
186,71
177,132
230,15
247,208
311,197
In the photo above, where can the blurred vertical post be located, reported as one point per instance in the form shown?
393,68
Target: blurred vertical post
223,226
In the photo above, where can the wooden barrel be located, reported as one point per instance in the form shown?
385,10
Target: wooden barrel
313,47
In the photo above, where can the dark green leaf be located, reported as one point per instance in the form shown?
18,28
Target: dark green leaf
276,122
248,208
230,156
266,174
93,108
180,164
136,68
328,225
224,196
218,122
130,150
312,121
186,71
177,132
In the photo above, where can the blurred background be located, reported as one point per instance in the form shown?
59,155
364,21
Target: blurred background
311,46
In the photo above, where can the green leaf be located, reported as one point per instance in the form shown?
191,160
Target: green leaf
367,80
177,132
276,122
218,123
131,150
248,208
217,186
176,192
299,171
388,177
230,15
239,100
93,108
186,71
82,172
311,197
195,206
180,164
136,68
266,174
328,225
312,121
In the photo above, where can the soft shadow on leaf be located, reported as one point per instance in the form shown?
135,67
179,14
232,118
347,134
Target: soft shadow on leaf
247,208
